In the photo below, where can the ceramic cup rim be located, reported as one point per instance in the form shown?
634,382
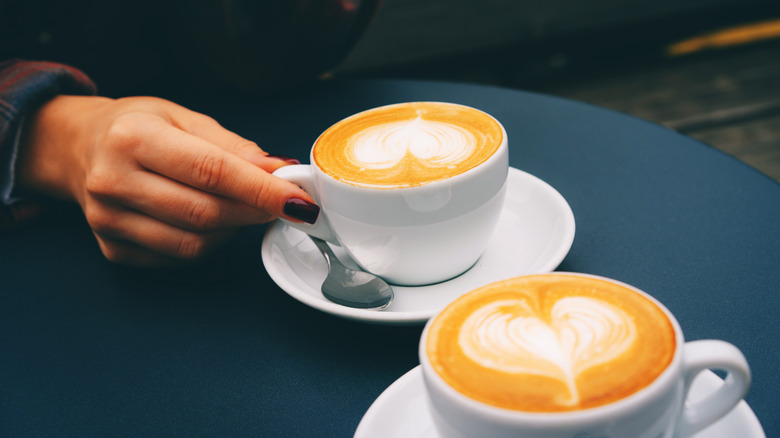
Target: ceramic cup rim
500,151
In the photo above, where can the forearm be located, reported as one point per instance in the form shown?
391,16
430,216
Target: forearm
24,87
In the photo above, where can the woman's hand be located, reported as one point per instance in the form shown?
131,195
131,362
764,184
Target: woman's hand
156,181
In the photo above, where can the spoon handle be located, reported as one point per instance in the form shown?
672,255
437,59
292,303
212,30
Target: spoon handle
324,248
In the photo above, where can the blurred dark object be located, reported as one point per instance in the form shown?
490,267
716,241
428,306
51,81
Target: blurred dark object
255,45
172,46
462,39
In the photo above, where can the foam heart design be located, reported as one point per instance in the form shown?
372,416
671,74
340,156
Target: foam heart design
577,334
435,144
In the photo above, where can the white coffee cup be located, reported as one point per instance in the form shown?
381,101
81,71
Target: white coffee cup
409,234
657,410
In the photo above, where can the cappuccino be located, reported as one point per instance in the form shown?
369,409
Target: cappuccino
551,343
411,191
407,144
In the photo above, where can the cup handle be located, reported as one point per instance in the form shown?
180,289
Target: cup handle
303,175
719,355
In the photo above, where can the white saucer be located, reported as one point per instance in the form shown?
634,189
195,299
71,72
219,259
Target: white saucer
402,411
534,234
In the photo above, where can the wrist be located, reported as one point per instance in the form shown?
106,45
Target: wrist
54,144
24,87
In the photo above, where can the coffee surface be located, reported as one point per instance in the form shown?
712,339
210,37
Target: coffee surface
551,343
407,144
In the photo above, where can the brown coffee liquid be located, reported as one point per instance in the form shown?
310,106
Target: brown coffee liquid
551,343
407,144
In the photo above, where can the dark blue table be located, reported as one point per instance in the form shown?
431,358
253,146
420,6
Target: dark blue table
91,349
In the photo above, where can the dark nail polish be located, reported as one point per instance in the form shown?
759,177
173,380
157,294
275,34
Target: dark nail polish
302,210
288,160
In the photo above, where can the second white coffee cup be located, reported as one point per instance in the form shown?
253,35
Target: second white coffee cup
570,338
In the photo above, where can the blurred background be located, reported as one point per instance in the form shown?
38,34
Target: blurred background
706,68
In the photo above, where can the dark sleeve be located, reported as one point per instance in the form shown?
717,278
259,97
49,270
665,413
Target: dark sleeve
24,87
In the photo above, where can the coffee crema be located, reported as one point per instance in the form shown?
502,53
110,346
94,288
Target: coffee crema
550,343
407,144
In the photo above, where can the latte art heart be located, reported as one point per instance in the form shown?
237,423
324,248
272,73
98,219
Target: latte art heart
550,343
407,144
580,333
433,144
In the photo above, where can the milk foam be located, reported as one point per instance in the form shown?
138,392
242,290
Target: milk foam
580,332
433,143
407,144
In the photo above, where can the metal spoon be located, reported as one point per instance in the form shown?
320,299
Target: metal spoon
352,288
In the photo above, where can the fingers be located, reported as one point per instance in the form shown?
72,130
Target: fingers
210,130
131,238
129,254
177,204
202,126
198,163
160,183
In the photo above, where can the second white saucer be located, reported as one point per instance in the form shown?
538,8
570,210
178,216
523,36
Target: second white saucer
402,411
534,234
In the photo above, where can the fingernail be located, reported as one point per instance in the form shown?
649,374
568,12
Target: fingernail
302,210
288,160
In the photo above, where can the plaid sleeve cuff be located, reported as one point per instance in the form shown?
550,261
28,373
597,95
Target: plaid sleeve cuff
24,87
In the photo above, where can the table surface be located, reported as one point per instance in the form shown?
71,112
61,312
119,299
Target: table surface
89,348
